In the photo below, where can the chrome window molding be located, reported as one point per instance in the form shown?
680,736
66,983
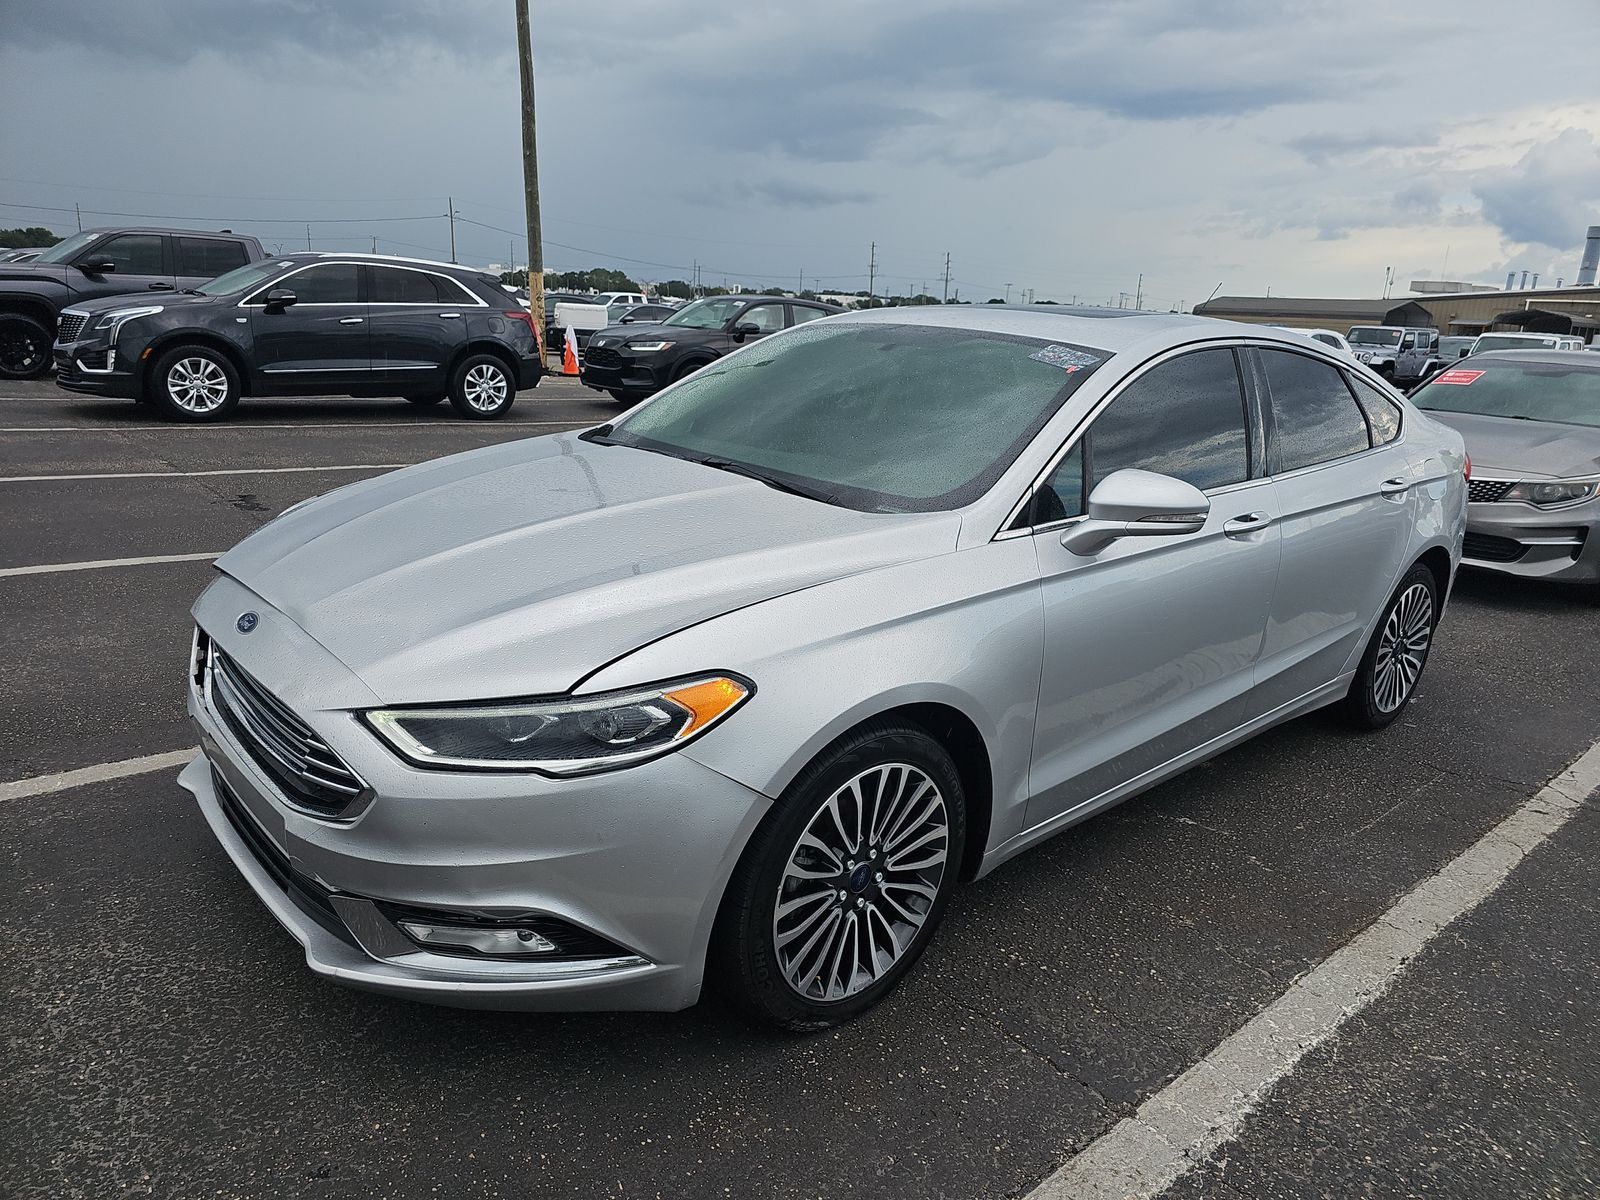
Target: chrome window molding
250,301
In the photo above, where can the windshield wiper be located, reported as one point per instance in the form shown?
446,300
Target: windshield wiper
772,481
600,435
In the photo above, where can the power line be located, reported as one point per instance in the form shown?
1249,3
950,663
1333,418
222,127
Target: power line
104,212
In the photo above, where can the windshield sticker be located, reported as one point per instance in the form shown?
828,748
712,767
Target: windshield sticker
1065,357
1458,376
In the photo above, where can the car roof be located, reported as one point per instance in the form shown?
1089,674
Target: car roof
1109,329
379,260
1573,358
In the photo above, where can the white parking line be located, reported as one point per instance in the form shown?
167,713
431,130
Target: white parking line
41,785
229,427
194,474
97,563
1186,1122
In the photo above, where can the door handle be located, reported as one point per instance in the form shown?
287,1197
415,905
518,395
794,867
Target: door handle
1246,523
350,320
159,287
449,316
1394,487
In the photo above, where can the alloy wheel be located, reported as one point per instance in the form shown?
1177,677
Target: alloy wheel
21,351
1402,648
485,388
860,882
197,385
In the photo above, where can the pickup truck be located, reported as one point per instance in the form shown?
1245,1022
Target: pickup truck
1401,354
104,262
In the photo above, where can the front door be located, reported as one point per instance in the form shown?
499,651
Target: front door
140,266
418,321
319,341
1150,645
1345,488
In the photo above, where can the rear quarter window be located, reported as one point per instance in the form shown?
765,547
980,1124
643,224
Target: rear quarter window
1315,416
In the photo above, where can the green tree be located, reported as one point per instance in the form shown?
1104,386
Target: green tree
34,235
677,288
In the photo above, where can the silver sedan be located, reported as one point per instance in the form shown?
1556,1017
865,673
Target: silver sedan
737,687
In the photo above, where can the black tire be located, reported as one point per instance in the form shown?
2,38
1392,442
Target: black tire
748,964
1390,669
482,388
622,397
187,381
427,401
24,347
687,369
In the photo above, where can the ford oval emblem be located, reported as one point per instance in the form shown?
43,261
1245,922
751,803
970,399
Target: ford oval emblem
246,622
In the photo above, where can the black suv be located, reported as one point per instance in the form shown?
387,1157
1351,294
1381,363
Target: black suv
103,262
635,361
307,324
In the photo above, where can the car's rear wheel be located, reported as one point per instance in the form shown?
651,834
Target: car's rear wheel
194,384
844,881
428,400
1397,653
24,347
481,388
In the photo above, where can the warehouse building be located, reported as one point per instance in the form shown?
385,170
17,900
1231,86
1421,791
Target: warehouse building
1545,310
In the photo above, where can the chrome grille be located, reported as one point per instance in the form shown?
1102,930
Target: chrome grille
311,775
1487,491
71,326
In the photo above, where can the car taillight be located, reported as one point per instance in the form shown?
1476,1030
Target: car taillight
1466,470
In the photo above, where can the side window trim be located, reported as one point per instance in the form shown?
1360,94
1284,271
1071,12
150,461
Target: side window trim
1274,459
252,300
1257,444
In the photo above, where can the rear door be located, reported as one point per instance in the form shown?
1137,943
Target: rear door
418,321
141,266
1345,488
1151,644
318,342
199,259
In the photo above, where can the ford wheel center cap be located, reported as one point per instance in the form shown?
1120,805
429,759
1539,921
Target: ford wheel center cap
246,622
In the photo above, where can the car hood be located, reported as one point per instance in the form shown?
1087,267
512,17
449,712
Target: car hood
36,272
521,568
1502,446
101,304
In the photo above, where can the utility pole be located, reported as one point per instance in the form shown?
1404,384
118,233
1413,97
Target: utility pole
802,279
530,169
79,213
450,204
1138,295
1008,293
308,235
945,299
872,271
374,243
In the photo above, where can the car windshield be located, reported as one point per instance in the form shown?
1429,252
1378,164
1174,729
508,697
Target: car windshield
1530,391
1510,341
238,279
1374,337
877,417
706,314
64,250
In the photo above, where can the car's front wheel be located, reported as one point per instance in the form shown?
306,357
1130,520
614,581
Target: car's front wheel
481,388
1398,651
194,383
844,881
24,347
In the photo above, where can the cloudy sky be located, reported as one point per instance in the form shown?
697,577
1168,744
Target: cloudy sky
1064,146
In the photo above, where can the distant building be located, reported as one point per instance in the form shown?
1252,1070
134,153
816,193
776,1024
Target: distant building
1302,313
1545,310
1434,287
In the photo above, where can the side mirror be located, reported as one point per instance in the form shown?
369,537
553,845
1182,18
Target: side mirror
625,321
279,299
747,329
1133,503
97,265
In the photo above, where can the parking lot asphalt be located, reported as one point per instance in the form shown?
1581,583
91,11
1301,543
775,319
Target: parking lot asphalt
165,1039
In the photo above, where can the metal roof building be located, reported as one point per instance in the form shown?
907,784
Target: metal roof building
1304,313
1545,310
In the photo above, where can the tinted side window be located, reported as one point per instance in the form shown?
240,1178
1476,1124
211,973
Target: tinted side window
392,285
208,257
1383,414
1315,416
134,253
768,318
804,313
1186,419
1062,494
334,283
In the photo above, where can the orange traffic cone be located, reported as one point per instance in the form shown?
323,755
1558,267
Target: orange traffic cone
569,354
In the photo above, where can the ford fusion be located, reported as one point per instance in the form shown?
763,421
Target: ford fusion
738,688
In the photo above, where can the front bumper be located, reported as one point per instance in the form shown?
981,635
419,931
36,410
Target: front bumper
1519,539
637,858
626,374
97,368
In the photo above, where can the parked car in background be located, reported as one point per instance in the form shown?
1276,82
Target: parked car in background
104,262
554,334
1326,336
1403,355
610,299
24,254
307,324
1525,341
737,687
632,364
639,314
1452,348
1531,420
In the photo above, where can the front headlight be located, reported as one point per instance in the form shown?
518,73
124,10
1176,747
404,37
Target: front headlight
572,736
646,347
118,317
1554,492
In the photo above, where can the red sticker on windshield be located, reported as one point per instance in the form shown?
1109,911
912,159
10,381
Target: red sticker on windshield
1458,376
